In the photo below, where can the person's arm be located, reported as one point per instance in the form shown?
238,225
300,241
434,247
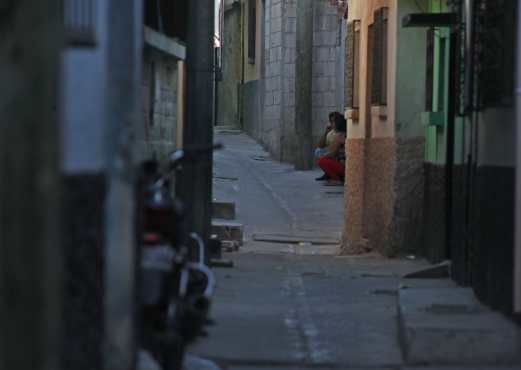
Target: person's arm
322,143
335,145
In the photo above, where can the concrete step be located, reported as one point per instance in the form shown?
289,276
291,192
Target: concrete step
449,327
228,230
223,210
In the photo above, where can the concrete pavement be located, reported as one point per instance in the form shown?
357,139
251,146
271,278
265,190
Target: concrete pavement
299,305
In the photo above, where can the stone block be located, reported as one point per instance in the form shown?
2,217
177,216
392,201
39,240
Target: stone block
291,11
277,98
273,84
276,25
276,54
290,55
290,25
325,38
276,10
223,210
276,39
290,40
448,326
321,84
289,70
288,84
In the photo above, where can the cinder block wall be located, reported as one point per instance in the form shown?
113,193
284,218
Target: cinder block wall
159,89
278,126
273,57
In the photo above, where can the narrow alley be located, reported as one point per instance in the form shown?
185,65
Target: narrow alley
260,185
294,305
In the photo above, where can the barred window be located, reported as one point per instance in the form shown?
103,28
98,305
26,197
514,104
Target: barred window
379,65
429,72
353,64
252,30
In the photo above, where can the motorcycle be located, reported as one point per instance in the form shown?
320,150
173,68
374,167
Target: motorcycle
175,290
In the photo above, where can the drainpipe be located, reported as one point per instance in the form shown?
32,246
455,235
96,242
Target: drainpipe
517,249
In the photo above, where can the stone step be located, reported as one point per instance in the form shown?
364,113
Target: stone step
449,327
228,230
223,210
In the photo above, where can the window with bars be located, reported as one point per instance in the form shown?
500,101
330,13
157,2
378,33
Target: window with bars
79,17
380,56
252,30
353,64
435,71
429,72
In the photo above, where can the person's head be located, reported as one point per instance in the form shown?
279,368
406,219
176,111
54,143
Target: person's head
332,116
340,123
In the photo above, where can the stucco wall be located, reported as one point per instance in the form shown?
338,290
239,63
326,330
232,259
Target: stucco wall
381,125
385,198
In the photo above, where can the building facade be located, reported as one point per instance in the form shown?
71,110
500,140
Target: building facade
163,79
385,78
259,62
431,163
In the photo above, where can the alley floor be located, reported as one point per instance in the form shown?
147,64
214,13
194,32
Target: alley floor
296,305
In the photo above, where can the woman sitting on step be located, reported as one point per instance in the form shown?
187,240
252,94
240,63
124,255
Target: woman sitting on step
333,161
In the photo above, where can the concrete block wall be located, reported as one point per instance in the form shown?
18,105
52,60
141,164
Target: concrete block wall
327,38
278,126
160,75
273,58
289,27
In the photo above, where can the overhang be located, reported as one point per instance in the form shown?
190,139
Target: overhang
164,44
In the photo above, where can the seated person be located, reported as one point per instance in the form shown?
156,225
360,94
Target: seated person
325,141
333,161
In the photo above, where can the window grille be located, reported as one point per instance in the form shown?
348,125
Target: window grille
349,64
252,30
379,65
80,22
429,73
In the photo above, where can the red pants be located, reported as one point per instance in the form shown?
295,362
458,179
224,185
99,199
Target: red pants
333,168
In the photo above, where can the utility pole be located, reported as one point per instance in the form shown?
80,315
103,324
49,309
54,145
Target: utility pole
30,253
303,86
194,185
